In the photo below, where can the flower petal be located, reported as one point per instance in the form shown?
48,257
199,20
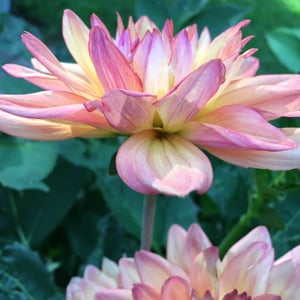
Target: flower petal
151,63
45,81
144,292
112,68
278,160
188,97
176,240
175,288
43,130
154,162
76,36
128,275
128,111
274,95
113,294
154,270
52,105
237,126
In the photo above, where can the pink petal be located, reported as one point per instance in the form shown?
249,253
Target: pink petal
128,111
247,270
182,59
274,95
35,129
45,81
144,292
76,36
112,68
150,61
237,126
268,297
280,160
176,240
128,275
154,162
154,270
49,61
113,294
175,288
186,100
284,279
196,242
52,105
203,271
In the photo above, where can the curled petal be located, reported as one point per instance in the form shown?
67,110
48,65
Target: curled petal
153,162
128,111
189,96
237,126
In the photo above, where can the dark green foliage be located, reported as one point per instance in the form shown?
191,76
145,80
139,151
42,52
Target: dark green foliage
62,206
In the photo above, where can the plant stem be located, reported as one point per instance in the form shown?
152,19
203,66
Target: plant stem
148,221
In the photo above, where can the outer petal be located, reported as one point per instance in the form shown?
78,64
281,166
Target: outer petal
248,270
49,61
113,294
45,81
44,130
176,240
280,160
274,95
154,162
128,111
112,68
237,126
189,96
128,275
76,36
196,242
154,270
52,105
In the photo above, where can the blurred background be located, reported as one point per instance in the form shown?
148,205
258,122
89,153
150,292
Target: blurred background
62,205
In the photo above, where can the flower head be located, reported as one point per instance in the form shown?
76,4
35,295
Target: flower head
171,94
192,270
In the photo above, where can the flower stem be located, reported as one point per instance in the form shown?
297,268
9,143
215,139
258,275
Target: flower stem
148,221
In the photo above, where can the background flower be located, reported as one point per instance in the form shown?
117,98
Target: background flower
193,270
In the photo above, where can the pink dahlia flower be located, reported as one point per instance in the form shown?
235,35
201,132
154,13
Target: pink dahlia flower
172,95
193,271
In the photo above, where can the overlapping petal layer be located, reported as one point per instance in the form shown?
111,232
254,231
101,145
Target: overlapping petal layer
170,93
193,271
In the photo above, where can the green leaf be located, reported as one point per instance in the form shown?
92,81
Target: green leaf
285,44
23,275
40,213
25,164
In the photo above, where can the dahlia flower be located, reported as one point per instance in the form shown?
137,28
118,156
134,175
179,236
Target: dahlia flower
171,94
192,270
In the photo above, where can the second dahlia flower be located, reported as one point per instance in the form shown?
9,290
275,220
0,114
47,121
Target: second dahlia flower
192,270
170,94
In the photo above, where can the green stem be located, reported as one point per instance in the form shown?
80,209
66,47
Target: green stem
255,204
148,221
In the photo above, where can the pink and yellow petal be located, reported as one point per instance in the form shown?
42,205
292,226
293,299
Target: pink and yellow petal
176,288
113,294
236,126
175,244
128,275
76,36
153,162
186,100
272,160
144,292
111,65
127,111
